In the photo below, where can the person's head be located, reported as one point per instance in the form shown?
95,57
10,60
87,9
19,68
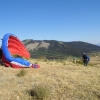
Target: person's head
84,53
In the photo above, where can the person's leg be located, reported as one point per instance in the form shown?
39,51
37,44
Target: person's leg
85,63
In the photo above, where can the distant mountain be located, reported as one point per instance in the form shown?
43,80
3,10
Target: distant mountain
98,44
58,49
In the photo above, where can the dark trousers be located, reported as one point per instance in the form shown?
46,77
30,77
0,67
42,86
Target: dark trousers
85,63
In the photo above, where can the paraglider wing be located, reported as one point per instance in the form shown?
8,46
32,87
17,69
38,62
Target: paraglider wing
15,46
11,45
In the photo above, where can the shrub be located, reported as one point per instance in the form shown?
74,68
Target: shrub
21,73
79,62
64,63
39,92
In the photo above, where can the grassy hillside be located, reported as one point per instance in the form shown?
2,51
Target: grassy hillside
48,54
55,80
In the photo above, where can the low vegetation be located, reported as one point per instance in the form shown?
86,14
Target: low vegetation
39,92
21,73
55,80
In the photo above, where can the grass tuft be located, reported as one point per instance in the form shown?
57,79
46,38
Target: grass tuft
22,73
39,92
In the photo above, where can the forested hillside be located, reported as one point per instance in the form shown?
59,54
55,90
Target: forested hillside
58,49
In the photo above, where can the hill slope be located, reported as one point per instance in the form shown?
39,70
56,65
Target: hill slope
58,49
62,81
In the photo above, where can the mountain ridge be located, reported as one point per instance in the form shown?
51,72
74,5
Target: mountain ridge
56,49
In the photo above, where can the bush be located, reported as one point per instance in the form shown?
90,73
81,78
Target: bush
21,73
39,92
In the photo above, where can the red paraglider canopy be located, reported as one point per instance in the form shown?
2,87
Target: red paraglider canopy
15,46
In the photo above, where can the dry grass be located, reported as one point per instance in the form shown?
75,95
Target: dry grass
56,80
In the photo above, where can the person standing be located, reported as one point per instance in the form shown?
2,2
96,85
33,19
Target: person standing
86,59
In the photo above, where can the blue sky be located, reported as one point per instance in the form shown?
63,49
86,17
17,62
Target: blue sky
62,20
